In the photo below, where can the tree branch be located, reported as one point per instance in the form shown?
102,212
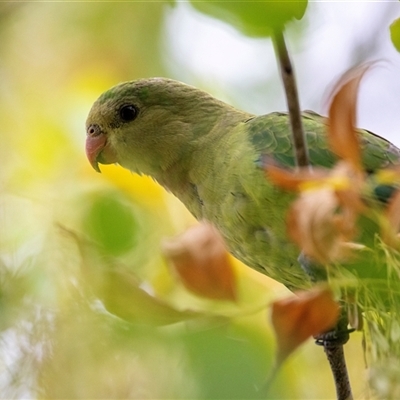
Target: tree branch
333,348
292,99
337,361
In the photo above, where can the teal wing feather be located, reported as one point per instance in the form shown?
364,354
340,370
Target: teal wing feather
270,134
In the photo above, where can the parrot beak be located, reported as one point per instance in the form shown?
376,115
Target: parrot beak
97,148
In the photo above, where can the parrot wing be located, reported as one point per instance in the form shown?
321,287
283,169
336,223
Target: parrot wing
271,135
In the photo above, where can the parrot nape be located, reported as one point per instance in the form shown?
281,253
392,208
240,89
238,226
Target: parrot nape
208,153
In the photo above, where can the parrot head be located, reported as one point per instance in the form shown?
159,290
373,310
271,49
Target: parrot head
148,125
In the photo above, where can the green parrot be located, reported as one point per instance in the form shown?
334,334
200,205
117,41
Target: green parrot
207,153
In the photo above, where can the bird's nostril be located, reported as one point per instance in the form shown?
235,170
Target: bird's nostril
93,130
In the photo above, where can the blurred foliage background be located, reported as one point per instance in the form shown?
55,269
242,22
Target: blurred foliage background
64,229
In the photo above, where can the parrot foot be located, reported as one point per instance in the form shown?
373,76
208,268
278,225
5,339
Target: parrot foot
338,335
333,338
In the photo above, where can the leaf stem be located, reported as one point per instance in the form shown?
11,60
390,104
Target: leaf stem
292,98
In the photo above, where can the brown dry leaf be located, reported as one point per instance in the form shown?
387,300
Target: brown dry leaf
307,227
342,136
299,317
321,221
200,260
323,218
313,226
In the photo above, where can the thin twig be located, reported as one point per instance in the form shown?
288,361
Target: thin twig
335,354
334,351
337,362
292,98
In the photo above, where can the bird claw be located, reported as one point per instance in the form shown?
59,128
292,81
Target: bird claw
333,338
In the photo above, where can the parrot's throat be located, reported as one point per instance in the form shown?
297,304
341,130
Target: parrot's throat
174,179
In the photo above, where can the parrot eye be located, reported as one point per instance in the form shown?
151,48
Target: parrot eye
128,112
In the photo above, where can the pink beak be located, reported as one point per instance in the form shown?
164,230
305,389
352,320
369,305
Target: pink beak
97,148
94,145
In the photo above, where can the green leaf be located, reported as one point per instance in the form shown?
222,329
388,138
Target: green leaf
230,362
395,34
253,18
111,223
